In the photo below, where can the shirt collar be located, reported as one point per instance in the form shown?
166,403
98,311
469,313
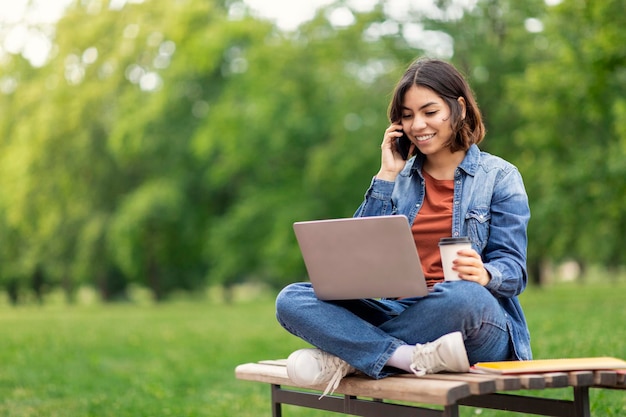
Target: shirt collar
469,164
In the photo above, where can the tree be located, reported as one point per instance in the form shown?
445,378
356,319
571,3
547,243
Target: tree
173,144
572,137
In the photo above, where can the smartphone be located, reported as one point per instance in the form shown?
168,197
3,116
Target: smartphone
403,145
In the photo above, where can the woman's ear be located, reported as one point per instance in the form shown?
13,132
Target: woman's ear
461,101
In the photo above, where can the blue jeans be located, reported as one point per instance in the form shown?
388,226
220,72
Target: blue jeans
366,332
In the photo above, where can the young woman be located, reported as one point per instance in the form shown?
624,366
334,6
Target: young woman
447,188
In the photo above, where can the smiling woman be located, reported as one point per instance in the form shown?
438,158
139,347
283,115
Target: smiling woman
448,187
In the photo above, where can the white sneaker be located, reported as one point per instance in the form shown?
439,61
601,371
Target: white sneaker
311,367
444,354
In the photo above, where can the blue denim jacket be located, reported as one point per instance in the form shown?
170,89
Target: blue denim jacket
491,207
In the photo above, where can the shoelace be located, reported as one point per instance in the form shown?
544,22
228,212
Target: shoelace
340,372
425,358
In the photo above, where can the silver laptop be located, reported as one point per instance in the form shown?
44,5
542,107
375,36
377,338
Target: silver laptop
362,257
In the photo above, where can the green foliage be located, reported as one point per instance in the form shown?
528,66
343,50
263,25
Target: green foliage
571,101
172,144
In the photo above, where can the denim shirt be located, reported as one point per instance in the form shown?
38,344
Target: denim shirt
490,206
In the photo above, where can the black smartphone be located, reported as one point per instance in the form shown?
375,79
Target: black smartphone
403,145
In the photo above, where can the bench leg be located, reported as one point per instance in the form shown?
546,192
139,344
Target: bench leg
277,410
581,402
450,411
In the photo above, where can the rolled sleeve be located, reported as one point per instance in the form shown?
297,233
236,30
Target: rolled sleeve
377,200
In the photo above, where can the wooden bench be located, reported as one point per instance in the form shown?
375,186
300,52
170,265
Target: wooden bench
438,395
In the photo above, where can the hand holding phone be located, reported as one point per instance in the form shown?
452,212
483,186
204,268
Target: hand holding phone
396,149
403,146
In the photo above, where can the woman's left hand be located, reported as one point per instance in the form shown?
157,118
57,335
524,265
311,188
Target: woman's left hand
469,266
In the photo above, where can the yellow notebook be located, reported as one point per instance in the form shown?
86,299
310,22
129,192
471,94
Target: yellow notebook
549,365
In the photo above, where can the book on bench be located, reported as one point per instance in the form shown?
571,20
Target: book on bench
549,365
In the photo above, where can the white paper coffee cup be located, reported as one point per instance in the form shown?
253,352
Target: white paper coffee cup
448,247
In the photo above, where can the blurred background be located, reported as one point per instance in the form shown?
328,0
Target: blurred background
167,146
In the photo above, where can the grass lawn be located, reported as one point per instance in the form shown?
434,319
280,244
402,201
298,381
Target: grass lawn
177,359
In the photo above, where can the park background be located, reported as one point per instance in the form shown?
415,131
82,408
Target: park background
153,159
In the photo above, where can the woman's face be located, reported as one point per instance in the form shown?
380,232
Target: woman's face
426,120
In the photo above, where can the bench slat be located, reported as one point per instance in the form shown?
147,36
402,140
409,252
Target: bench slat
478,384
556,379
406,389
507,383
606,378
621,377
610,379
275,362
532,381
581,378
258,372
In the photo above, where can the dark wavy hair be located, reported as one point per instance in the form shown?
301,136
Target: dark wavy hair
448,83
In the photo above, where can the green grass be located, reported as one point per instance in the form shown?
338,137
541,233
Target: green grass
178,359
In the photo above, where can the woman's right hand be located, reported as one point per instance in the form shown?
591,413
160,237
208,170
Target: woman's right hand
391,161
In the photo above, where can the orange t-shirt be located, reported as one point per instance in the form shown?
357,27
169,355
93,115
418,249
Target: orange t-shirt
433,222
